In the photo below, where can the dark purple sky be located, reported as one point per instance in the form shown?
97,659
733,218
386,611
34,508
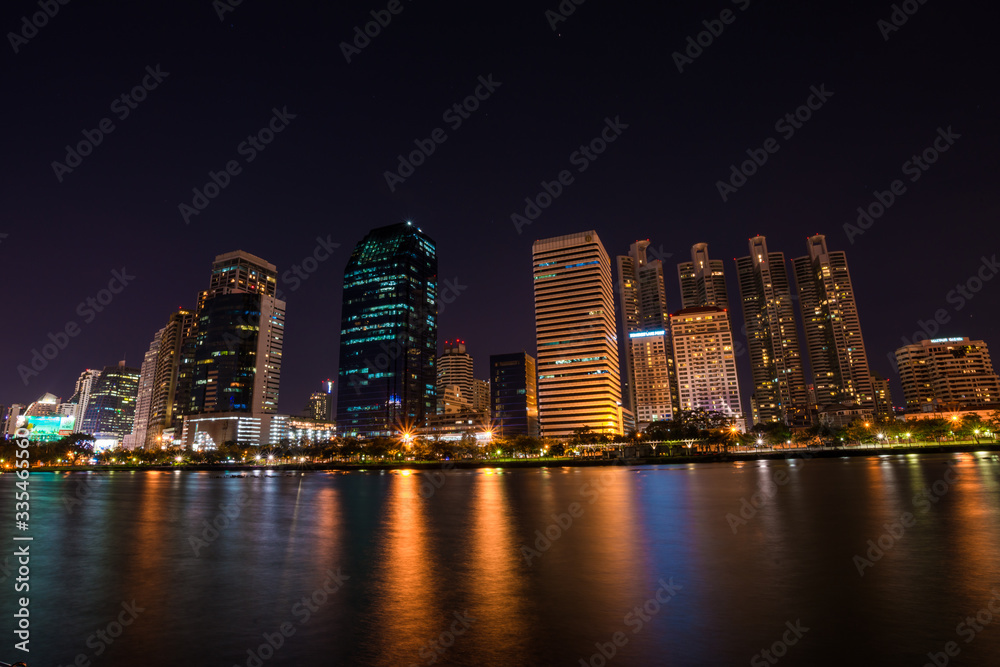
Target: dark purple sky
323,175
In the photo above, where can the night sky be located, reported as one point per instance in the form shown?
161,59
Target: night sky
323,174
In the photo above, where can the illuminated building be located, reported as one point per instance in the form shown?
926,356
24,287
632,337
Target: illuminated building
481,397
578,378
947,374
706,363
173,379
13,413
650,383
304,432
239,335
45,406
81,394
320,406
831,327
209,431
703,280
882,396
455,391
111,407
388,333
144,397
514,394
47,428
772,336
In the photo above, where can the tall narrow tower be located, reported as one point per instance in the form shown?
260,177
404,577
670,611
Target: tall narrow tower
578,377
388,333
780,393
832,328
650,382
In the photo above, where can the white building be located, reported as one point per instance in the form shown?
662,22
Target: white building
706,362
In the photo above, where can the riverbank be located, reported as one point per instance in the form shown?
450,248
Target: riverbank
560,462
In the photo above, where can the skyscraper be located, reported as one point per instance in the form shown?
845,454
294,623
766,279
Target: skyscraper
239,334
320,407
650,383
948,374
832,329
173,380
388,333
578,378
514,394
81,395
772,336
144,396
882,396
455,391
703,280
111,408
706,363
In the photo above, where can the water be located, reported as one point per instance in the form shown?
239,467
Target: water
407,570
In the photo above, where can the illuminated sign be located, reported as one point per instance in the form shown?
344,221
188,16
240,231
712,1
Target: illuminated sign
947,340
644,334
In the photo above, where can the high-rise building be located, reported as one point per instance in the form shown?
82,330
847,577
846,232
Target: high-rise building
947,374
44,406
703,280
779,384
578,378
320,406
514,394
239,335
111,408
388,333
144,396
81,395
649,382
481,397
831,326
706,362
882,395
173,379
13,412
455,390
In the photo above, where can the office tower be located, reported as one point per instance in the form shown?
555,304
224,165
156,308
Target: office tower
703,280
239,334
706,362
388,333
320,406
514,394
172,380
81,395
455,390
831,327
111,408
44,406
144,396
948,374
882,396
13,412
772,336
578,380
481,397
649,383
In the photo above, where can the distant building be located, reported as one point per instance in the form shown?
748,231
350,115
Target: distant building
514,394
45,406
649,383
706,363
304,432
481,397
144,398
832,329
882,396
320,405
703,280
81,395
13,412
578,376
837,415
772,336
209,431
111,408
388,333
947,374
173,379
455,384
239,336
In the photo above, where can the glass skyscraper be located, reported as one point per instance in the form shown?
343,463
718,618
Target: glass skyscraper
111,408
388,333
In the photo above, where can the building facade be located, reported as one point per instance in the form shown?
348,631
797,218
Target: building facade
111,407
578,375
81,395
144,396
173,379
514,394
832,329
706,362
947,374
388,333
779,386
455,388
703,280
